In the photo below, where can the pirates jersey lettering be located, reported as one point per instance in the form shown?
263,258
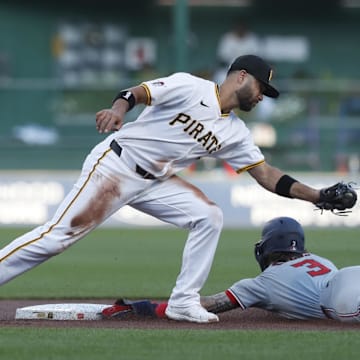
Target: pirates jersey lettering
175,129
197,131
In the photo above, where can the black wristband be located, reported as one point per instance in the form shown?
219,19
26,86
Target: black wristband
127,96
283,186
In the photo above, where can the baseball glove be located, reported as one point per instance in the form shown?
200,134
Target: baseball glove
337,198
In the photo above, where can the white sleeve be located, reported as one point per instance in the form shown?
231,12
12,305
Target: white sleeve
171,90
243,154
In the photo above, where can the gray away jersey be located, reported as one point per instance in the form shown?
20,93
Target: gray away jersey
291,289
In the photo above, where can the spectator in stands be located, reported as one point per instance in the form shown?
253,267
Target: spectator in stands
240,40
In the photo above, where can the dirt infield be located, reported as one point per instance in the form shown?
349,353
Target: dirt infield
250,319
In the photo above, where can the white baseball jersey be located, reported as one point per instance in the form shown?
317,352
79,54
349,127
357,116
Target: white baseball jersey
291,289
184,122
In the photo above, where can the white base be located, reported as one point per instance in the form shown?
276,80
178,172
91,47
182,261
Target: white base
61,312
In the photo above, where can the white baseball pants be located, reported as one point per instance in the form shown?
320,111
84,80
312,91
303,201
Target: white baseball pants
108,182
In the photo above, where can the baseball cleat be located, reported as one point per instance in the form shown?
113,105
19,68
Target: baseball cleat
119,309
195,313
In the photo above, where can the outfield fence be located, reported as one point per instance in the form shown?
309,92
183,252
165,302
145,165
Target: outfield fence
31,198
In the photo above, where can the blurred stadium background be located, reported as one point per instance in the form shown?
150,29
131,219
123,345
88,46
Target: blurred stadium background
60,63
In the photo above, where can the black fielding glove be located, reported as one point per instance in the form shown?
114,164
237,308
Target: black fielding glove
337,198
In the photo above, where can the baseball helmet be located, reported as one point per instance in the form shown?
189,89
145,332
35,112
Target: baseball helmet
279,235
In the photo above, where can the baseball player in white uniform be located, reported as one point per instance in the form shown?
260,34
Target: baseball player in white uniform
187,118
293,283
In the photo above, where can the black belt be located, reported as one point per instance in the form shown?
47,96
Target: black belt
118,149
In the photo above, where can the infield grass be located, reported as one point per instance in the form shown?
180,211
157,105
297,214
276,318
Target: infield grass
145,263
139,263
104,344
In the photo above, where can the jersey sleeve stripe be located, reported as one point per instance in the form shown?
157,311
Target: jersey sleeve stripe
246,168
332,314
234,299
148,94
61,216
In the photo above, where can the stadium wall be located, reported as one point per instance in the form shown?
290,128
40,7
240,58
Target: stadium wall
31,198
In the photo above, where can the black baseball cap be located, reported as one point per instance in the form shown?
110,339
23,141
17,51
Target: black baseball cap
258,68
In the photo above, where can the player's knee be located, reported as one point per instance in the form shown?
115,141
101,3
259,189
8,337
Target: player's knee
57,243
214,217
55,248
217,217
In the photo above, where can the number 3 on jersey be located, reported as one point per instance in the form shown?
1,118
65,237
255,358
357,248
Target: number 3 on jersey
318,269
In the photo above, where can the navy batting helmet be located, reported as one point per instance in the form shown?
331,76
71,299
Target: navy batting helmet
279,235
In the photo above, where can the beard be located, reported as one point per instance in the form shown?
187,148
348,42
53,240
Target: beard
244,98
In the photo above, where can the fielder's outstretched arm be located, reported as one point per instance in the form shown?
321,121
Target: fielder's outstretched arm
276,181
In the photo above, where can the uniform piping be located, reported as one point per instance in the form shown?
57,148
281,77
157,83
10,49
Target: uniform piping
62,215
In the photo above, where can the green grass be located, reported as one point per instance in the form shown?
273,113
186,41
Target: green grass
176,345
144,263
